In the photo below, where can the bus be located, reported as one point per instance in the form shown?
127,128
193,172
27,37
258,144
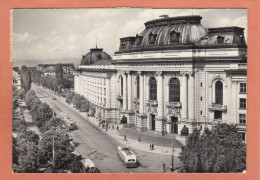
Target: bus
127,156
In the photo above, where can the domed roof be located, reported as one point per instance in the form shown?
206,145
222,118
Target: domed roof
93,56
187,28
166,32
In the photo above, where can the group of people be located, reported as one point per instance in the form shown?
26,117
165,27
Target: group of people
107,126
151,146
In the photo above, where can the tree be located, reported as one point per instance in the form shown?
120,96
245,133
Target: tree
42,114
53,122
26,150
26,78
62,148
29,97
15,151
59,73
218,150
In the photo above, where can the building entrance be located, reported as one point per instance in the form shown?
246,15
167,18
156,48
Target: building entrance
153,121
174,125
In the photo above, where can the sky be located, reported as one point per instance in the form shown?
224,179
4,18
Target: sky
40,34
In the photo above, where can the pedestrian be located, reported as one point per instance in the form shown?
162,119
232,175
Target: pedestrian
163,167
139,139
150,147
125,136
117,127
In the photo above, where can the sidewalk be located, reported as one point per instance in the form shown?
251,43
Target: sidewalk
133,135
146,140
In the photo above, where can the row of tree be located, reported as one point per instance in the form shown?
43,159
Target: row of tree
52,151
79,102
218,150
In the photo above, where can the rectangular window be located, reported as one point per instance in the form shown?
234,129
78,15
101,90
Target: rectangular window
200,84
242,119
242,103
105,101
104,91
200,112
242,87
200,98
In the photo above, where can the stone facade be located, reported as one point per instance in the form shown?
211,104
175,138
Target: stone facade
166,87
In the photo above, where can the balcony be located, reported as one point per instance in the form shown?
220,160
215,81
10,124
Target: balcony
119,97
173,104
152,103
217,107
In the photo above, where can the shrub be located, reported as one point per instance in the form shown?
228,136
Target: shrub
185,131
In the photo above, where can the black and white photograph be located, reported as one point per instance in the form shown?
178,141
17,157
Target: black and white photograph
129,90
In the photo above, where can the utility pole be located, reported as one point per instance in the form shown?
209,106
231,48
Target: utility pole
172,151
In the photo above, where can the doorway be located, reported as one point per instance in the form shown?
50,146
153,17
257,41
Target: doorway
174,124
153,121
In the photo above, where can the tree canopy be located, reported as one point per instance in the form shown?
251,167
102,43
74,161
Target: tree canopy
218,150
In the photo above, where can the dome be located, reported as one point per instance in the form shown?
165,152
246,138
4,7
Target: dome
166,32
173,30
93,56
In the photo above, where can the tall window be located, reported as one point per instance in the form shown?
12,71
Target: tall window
242,87
138,87
242,103
153,89
219,93
122,86
152,38
174,90
242,119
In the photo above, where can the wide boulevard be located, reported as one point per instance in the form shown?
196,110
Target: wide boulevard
89,137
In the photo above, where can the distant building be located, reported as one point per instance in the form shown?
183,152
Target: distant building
49,69
17,84
175,73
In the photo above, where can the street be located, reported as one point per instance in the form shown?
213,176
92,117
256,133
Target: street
89,137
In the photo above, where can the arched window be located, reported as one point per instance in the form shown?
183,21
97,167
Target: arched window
152,89
219,93
138,87
174,90
152,38
122,86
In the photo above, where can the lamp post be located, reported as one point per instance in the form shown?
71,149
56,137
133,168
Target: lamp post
172,151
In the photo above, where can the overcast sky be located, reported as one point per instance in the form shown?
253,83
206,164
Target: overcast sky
69,33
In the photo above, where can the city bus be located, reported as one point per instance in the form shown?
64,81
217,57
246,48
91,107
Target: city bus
127,156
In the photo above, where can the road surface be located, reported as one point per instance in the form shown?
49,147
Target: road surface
89,137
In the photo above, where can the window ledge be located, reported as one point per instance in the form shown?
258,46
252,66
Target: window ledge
242,108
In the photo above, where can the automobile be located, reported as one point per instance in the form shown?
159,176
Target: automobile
53,98
89,166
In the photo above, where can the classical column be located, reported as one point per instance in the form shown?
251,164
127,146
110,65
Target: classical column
124,92
141,100
129,92
191,94
184,97
160,95
107,92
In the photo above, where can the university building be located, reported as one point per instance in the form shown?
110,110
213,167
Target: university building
175,73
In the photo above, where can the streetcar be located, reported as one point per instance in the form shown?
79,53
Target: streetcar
127,156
